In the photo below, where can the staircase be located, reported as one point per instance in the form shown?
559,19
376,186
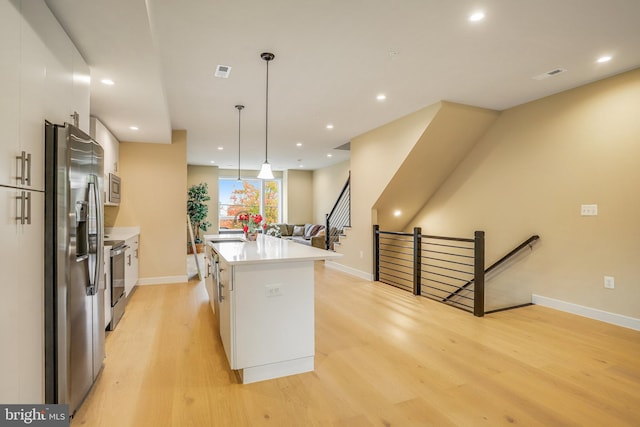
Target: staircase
339,218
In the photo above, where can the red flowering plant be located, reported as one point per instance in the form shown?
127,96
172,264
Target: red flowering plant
251,223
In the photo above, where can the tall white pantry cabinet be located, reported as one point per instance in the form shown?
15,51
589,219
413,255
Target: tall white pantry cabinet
42,76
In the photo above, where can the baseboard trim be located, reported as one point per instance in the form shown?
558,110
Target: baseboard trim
591,313
165,280
349,270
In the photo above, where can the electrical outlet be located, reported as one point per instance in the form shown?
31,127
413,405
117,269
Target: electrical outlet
273,290
589,210
609,282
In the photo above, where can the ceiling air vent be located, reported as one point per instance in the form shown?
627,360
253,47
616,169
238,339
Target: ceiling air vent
551,73
222,71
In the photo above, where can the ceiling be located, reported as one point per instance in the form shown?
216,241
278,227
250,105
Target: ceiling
332,58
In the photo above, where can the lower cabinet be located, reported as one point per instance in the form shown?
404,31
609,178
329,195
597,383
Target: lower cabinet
131,265
267,318
21,299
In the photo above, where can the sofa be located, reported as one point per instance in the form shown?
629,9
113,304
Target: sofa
306,234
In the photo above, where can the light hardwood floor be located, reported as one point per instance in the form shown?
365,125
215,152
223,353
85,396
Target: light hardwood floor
383,358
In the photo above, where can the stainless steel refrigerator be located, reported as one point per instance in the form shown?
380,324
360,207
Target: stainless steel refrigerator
74,264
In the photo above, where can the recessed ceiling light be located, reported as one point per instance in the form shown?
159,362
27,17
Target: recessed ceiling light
298,144
381,97
329,155
605,58
477,16
397,213
301,166
220,148
134,127
329,126
107,82
212,161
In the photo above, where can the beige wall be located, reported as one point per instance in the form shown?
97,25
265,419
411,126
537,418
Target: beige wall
299,196
530,174
375,158
208,174
154,197
327,185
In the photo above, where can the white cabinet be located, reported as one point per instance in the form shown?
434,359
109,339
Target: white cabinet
37,69
36,82
131,265
267,318
10,84
21,300
109,143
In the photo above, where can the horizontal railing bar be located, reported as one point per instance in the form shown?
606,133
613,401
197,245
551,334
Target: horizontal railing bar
446,268
442,283
447,246
448,261
447,253
394,241
388,256
424,236
445,275
386,274
397,273
454,239
394,233
385,262
394,245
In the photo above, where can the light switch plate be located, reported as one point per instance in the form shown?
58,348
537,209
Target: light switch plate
609,282
589,210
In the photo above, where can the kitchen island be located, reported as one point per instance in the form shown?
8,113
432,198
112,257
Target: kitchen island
263,295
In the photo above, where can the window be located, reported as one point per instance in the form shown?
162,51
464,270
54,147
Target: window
248,195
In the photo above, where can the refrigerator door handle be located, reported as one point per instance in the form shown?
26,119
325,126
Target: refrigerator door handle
99,229
93,236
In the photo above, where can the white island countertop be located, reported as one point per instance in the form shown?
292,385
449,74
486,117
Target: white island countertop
266,249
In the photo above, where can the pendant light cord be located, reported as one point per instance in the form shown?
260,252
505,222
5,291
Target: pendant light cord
266,120
239,107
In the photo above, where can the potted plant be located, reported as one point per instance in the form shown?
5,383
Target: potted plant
198,210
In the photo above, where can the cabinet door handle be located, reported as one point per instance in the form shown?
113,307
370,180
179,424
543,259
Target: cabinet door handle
136,253
28,177
22,159
129,259
28,199
20,200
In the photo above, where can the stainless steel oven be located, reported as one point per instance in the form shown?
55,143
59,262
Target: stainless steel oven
118,298
113,193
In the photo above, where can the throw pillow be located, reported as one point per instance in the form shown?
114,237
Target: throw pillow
298,230
307,230
315,229
284,230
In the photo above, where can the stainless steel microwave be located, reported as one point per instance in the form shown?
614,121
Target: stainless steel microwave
113,192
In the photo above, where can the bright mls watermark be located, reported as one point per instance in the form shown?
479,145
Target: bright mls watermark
34,415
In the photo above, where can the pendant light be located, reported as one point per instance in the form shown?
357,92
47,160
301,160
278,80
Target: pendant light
265,170
239,107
